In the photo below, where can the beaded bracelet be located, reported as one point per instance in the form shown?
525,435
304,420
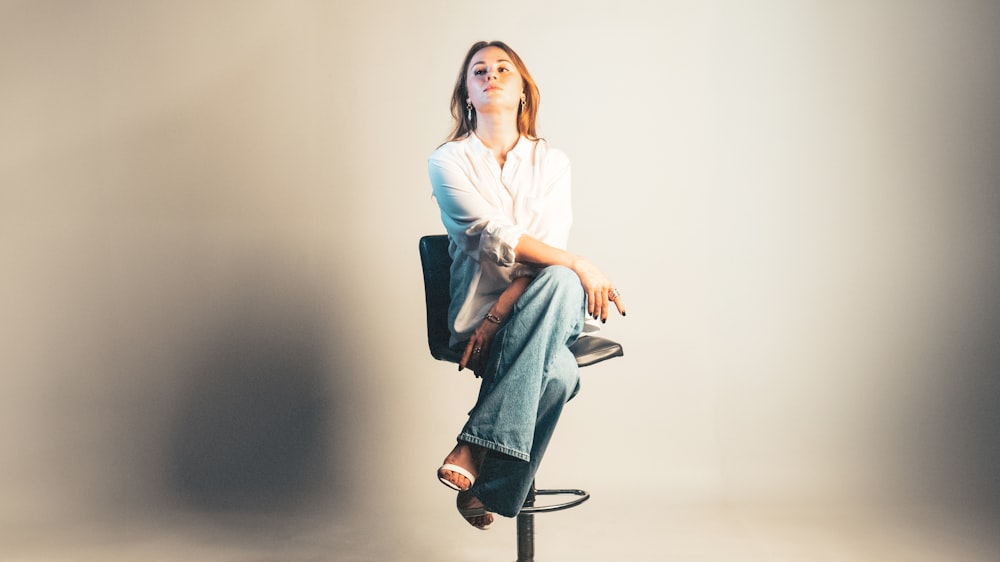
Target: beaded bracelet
493,318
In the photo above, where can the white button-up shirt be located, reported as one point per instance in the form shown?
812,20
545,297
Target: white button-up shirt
486,209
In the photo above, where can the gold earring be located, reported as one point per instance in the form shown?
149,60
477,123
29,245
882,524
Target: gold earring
524,101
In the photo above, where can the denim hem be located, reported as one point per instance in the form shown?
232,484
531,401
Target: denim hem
493,509
494,446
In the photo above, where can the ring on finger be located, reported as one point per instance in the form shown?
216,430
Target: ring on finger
477,350
614,294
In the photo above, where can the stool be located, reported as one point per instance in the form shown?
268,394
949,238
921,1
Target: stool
436,262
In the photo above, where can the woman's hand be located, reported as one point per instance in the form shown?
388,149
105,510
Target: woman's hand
600,291
477,351
598,288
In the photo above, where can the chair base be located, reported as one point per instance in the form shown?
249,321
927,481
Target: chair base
526,518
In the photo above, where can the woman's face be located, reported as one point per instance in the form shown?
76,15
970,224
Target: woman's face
493,81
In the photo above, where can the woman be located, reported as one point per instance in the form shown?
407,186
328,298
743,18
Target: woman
518,297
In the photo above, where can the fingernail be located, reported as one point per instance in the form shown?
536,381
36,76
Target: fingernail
623,314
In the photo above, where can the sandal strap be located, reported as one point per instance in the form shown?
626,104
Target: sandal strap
459,470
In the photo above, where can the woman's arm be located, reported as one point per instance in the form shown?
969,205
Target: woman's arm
596,285
598,288
478,348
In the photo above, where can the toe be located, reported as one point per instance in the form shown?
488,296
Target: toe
482,522
466,502
455,478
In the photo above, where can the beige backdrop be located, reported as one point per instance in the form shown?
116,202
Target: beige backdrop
212,306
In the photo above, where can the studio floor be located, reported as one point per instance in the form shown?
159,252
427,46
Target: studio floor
600,530
603,531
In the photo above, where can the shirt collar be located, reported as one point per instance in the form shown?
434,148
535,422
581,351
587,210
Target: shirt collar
521,150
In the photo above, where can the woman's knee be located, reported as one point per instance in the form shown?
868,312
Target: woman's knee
563,378
562,282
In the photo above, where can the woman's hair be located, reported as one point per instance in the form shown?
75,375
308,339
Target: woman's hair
525,117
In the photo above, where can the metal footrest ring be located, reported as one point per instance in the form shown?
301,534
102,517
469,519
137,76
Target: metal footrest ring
581,496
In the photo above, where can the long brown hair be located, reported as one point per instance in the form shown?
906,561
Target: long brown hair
525,117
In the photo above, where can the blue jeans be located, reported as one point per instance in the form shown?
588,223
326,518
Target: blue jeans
530,376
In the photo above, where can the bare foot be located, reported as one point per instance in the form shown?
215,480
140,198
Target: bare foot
467,457
473,511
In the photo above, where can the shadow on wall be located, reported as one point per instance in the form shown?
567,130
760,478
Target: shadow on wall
965,422
258,413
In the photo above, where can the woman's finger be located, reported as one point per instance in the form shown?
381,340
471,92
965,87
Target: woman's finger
464,361
616,297
597,304
471,355
479,354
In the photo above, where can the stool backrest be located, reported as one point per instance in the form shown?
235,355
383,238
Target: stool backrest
436,262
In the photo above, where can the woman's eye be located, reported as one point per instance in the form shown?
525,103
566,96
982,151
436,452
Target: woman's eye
478,72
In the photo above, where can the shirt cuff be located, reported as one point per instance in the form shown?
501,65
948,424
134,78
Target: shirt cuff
498,241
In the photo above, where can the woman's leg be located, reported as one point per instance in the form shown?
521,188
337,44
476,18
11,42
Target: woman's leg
531,377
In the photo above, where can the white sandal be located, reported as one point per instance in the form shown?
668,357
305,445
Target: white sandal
459,470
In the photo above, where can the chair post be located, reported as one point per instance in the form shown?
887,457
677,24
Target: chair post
526,530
